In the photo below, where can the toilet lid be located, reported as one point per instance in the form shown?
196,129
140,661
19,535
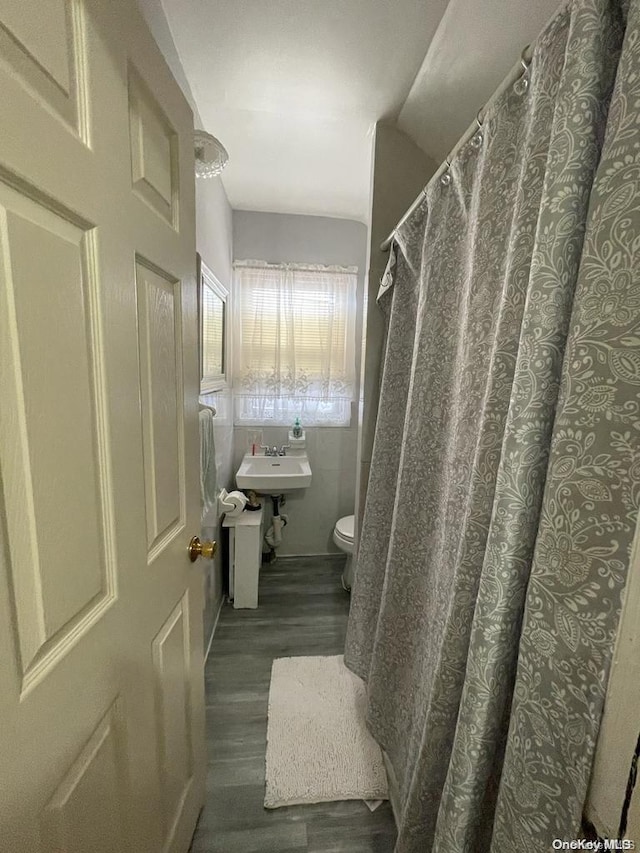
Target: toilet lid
344,526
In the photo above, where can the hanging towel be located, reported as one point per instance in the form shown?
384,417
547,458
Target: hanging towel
208,485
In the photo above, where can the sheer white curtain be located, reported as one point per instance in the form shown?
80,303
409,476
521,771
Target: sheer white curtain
294,343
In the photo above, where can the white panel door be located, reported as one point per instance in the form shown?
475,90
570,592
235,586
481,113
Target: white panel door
101,683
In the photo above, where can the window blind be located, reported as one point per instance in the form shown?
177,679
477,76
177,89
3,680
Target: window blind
294,350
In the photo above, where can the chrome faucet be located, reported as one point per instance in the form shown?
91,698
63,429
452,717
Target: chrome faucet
273,451
270,451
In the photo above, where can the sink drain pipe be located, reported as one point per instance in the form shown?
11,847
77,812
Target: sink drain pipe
273,536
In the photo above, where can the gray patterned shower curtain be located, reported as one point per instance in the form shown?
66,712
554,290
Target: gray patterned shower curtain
505,476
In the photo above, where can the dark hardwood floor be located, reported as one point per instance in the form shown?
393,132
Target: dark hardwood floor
303,611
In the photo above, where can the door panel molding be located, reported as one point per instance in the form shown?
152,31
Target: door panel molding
171,654
154,152
51,307
70,821
45,48
160,352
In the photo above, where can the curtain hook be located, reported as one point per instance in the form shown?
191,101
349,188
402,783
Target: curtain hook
445,177
522,83
476,139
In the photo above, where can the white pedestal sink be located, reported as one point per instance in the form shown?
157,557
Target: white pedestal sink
273,475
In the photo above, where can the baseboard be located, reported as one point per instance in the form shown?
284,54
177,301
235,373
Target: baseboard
214,626
334,554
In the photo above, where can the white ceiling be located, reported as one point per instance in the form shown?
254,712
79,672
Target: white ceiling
293,88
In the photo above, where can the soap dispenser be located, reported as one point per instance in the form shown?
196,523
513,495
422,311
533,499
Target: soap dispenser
297,429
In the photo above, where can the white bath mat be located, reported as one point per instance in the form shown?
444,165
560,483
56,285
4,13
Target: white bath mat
318,746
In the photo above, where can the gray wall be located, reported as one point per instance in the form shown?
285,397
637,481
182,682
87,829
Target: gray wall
154,15
284,238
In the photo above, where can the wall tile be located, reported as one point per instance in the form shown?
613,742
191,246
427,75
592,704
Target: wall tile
314,511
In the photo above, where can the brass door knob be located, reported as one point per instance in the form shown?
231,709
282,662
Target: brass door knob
201,549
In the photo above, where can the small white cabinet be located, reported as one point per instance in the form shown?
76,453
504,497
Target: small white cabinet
245,556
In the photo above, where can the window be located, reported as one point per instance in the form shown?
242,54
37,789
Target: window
294,344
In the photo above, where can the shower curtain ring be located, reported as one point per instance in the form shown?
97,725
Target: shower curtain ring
522,83
445,177
476,139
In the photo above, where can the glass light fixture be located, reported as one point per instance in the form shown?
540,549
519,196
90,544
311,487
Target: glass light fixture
211,155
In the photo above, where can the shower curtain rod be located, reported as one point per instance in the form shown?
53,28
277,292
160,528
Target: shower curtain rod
516,72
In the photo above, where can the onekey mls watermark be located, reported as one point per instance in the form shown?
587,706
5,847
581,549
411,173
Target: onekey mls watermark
600,844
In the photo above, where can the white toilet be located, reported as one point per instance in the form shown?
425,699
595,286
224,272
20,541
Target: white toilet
343,534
